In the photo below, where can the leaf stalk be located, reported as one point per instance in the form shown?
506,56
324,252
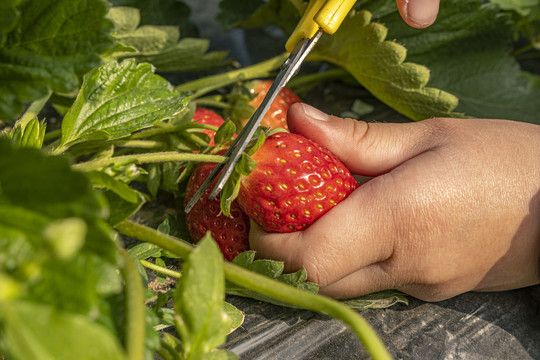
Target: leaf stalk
268,287
135,322
147,158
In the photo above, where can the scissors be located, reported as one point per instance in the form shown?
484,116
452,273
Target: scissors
320,16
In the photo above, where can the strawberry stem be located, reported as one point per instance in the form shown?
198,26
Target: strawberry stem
148,158
210,101
266,286
135,321
139,144
310,80
161,269
208,84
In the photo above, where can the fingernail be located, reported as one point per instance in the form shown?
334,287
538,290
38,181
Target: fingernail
314,113
422,12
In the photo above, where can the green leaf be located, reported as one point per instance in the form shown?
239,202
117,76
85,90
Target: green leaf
468,53
189,54
28,135
169,175
9,288
46,184
9,15
125,19
224,133
201,321
161,45
123,200
260,139
102,180
361,48
220,355
66,237
154,178
120,208
50,46
33,331
232,185
522,7
235,316
378,300
117,99
41,198
162,12
272,269
161,277
144,250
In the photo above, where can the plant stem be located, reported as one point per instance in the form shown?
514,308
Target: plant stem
52,135
160,269
144,233
299,81
268,287
207,101
34,109
141,144
207,84
148,158
135,322
167,129
157,131
277,290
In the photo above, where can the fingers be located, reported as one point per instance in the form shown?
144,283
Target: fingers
339,243
370,279
365,148
418,13
347,250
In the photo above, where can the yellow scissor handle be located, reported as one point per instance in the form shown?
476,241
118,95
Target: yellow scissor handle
326,15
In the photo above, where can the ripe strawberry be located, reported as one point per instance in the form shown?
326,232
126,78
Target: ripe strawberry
295,182
208,117
277,114
231,233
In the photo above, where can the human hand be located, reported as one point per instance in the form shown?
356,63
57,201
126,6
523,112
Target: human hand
418,13
453,206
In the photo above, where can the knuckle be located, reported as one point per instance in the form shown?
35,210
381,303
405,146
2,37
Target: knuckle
318,262
361,134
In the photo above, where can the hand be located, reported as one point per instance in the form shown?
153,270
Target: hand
453,206
418,13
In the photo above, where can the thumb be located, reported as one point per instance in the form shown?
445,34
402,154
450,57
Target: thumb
367,149
418,13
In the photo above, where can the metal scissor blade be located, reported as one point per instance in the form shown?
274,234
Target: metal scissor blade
289,69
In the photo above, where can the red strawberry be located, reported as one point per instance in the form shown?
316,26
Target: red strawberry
231,233
208,117
277,114
295,182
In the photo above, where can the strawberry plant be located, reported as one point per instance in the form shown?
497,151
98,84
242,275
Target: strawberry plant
99,136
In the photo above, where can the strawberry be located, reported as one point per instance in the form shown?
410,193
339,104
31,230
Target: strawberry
208,117
295,182
277,114
231,233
